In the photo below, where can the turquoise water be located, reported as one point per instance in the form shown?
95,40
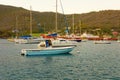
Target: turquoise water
88,61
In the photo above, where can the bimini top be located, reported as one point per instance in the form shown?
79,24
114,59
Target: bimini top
25,37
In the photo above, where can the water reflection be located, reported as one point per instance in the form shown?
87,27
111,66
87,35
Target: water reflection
48,60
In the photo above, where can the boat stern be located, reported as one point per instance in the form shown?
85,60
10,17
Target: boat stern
23,52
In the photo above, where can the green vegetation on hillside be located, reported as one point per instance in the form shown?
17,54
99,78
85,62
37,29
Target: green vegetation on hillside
17,19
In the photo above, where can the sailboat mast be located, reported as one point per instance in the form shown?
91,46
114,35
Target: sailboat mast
56,16
67,31
16,30
30,20
80,23
73,22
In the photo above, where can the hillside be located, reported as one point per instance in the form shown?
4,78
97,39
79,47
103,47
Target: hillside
17,17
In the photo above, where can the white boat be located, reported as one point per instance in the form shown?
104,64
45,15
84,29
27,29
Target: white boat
60,42
34,40
63,43
102,42
46,48
20,41
118,41
28,40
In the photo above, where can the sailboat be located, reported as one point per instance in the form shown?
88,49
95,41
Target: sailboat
61,42
28,39
48,47
72,37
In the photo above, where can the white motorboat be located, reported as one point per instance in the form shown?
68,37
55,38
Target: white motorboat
46,48
63,43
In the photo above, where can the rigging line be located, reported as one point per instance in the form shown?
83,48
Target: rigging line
67,31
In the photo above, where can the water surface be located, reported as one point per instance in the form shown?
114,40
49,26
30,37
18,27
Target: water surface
88,61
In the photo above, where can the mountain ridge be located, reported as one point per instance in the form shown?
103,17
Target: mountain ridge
44,22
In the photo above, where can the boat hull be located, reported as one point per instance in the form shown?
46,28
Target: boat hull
102,42
46,51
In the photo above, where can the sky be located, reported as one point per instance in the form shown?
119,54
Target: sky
69,6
